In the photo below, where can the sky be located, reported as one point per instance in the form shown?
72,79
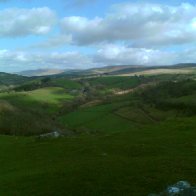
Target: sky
81,34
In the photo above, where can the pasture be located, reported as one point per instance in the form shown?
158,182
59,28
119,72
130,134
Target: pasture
131,144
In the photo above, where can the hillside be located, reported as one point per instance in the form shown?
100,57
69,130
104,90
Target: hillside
131,70
147,70
11,79
115,128
40,72
183,68
50,101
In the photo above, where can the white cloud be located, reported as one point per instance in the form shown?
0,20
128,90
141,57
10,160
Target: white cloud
15,22
121,55
111,54
11,61
141,24
131,33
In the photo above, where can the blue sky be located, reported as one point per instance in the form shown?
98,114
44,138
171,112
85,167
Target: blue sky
79,34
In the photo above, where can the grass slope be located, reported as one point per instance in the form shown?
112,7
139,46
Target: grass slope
49,95
32,112
132,144
135,162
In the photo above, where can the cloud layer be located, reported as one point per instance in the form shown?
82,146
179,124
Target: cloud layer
11,60
17,22
140,24
107,55
130,33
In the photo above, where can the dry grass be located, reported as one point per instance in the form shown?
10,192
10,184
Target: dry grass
160,71
6,106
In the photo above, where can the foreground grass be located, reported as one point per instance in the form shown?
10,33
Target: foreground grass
134,162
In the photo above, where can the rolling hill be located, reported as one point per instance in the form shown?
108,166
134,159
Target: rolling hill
122,134
40,72
114,70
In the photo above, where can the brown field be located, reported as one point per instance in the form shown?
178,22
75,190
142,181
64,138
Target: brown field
161,71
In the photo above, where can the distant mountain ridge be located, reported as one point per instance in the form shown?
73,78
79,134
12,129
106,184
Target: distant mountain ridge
41,72
110,70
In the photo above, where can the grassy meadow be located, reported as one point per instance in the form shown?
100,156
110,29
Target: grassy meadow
136,161
135,143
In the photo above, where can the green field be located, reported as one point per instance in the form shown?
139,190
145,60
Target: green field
135,162
53,95
133,144
31,112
